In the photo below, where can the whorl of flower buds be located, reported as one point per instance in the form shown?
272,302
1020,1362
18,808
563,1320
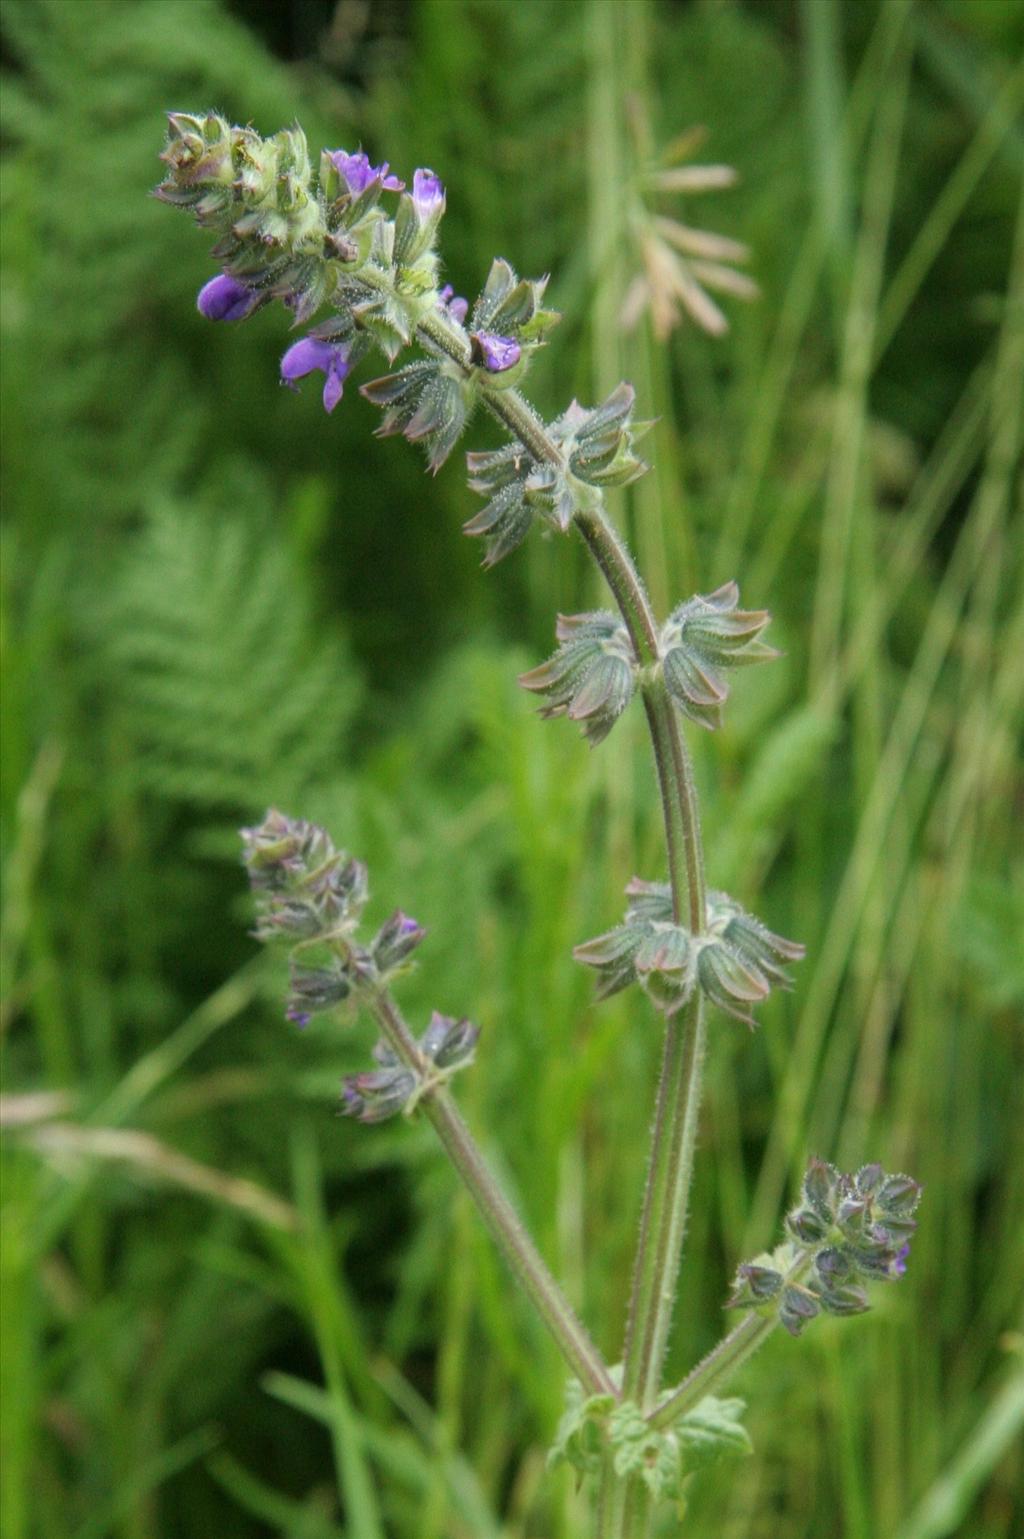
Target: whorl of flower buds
736,961
740,960
311,895
849,1230
517,487
447,1045
303,885
592,676
597,447
699,641
428,402
598,441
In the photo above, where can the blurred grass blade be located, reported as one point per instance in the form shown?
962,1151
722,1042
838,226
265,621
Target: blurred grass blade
286,1516
943,1508
107,1517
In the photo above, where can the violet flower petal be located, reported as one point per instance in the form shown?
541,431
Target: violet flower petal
359,173
427,192
497,353
310,353
453,304
225,299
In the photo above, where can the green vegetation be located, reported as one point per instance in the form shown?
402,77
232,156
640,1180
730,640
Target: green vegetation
226,1311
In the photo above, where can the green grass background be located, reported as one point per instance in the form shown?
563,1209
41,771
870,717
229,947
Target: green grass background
224,1310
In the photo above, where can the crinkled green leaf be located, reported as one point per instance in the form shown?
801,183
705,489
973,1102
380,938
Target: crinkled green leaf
713,1428
578,1439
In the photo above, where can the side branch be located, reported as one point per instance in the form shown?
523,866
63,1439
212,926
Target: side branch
497,1212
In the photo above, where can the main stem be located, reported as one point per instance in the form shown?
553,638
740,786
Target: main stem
497,1212
670,1167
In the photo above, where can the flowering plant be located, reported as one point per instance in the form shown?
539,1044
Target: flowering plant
356,240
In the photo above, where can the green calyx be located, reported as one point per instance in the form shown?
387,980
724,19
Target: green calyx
736,961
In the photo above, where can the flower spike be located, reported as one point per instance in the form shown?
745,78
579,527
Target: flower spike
848,1231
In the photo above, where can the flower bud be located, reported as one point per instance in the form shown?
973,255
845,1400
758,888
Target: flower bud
820,1189
282,850
225,299
833,1266
598,441
396,941
664,966
452,304
377,1094
505,476
844,1301
449,1043
419,214
796,1308
314,989
304,886
739,960
427,402
494,353
869,1178
613,957
755,1283
806,1226
898,1195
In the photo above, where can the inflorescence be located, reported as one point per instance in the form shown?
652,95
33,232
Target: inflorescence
311,896
336,240
849,1230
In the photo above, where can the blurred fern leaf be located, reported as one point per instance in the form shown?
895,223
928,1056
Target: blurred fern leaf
228,685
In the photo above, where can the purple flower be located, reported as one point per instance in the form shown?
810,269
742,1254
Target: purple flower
899,1263
309,354
358,172
453,304
300,1018
427,193
225,299
495,353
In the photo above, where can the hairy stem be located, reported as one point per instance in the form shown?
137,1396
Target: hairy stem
665,1202
497,1212
670,1166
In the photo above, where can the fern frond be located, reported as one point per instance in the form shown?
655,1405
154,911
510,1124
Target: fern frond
229,687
